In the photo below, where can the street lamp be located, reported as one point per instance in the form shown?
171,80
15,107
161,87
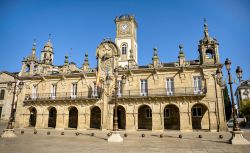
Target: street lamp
239,73
115,136
9,131
237,137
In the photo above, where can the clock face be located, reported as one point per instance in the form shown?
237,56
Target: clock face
124,27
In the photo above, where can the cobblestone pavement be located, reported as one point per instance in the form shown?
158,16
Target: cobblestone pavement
134,143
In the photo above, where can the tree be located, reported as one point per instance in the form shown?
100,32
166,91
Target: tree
245,108
227,103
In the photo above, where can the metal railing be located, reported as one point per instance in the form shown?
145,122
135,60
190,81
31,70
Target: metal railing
63,96
165,92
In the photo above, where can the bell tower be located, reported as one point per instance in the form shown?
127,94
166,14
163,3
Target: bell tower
126,38
47,53
208,48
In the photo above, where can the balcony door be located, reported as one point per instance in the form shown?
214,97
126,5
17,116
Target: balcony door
170,86
144,87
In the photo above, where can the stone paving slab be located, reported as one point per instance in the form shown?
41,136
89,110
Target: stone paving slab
134,143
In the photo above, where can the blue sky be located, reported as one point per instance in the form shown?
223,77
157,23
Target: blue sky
82,25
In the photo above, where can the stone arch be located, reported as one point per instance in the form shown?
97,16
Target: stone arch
73,117
171,115
95,117
200,117
121,114
145,117
32,117
52,117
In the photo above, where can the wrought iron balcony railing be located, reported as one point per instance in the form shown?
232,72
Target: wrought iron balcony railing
163,92
63,96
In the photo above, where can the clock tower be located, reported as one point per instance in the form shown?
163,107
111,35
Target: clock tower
126,39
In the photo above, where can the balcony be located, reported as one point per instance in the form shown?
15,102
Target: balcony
164,92
62,96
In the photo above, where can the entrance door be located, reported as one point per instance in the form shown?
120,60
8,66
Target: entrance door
32,120
121,114
145,117
73,117
95,118
52,117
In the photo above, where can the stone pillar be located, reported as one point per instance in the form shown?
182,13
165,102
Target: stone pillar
41,120
213,122
87,120
25,122
59,120
81,119
156,122
66,119
185,121
130,122
45,120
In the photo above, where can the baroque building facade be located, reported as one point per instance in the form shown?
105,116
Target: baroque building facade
6,94
183,95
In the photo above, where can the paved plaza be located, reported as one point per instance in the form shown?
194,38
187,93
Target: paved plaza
133,143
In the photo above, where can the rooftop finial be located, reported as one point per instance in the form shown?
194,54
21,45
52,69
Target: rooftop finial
86,60
34,47
181,53
66,61
49,36
155,51
206,28
181,47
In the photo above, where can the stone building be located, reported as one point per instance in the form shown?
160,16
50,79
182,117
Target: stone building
182,95
6,94
242,92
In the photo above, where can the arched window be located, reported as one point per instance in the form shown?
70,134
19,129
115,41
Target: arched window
124,48
209,54
27,68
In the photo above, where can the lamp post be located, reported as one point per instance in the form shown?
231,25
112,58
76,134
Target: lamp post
115,136
9,131
237,137
239,73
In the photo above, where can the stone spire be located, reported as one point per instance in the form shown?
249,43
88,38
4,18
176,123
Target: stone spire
85,65
181,56
155,58
34,48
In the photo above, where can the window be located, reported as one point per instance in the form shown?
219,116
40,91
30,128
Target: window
34,92
95,91
2,94
166,113
197,85
144,87
124,48
119,92
27,69
74,90
170,86
148,113
196,112
209,54
53,91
